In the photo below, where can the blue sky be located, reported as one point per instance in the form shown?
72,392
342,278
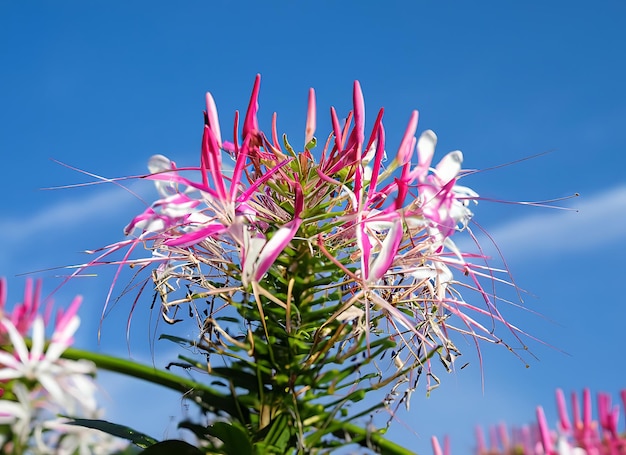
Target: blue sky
102,86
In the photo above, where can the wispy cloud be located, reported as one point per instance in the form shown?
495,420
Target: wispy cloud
67,213
53,234
600,220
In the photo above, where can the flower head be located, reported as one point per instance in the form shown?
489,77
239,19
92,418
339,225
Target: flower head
378,234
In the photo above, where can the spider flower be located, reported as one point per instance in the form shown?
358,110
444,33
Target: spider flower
382,229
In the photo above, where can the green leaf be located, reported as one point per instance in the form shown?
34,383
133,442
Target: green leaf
235,439
171,447
178,340
114,429
277,437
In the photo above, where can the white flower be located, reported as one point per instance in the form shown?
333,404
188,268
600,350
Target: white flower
18,414
64,380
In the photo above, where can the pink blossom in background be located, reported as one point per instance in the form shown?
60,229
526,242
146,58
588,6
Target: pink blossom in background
575,433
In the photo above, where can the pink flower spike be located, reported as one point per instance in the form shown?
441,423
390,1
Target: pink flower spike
378,158
251,123
336,129
25,313
587,409
3,296
436,447
481,446
493,439
566,426
576,412
405,151
275,141
504,437
623,397
604,406
240,164
235,132
310,118
214,123
213,161
358,133
544,432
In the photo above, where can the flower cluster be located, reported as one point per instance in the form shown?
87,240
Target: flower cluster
578,435
371,234
38,385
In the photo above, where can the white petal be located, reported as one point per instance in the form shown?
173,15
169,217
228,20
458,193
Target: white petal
10,411
369,155
252,249
449,166
55,391
7,361
61,339
150,225
17,341
160,163
424,273
38,336
426,148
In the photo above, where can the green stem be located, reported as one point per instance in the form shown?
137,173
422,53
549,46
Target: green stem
138,370
180,384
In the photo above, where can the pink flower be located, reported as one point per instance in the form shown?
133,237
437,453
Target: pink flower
576,436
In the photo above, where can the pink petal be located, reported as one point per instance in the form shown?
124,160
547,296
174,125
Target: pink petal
365,246
562,408
214,123
3,295
310,118
275,246
544,432
212,160
436,447
358,132
336,129
196,236
387,253
251,124
405,151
